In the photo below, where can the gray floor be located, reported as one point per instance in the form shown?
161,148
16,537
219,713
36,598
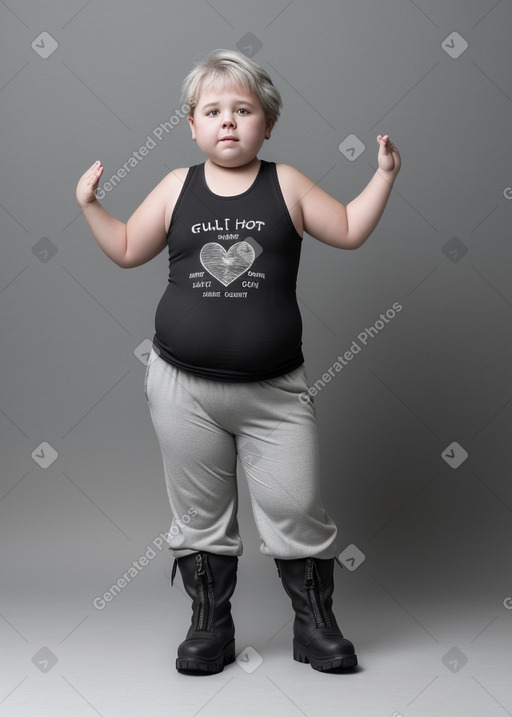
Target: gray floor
61,656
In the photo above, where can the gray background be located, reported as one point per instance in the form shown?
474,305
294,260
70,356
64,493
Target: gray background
429,607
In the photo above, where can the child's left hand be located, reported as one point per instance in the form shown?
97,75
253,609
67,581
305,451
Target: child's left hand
388,157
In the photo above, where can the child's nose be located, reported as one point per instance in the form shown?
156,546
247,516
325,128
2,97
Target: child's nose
228,120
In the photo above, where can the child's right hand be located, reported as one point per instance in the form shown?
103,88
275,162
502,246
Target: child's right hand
87,185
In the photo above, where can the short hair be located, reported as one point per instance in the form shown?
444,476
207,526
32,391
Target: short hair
233,69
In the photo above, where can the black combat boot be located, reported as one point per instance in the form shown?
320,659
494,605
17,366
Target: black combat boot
209,580
317,639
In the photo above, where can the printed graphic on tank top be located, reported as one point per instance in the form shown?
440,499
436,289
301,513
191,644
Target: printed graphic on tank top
230,311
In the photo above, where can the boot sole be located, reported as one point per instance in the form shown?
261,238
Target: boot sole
198,664
333,662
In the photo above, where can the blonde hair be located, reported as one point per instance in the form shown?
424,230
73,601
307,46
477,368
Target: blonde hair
233,69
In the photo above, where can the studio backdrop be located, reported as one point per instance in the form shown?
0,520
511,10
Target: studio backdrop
407,340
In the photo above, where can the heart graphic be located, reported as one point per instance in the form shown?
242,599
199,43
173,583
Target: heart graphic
226,266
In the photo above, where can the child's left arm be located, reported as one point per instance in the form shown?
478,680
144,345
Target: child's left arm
347,227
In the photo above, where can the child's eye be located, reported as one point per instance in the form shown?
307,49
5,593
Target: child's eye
240,110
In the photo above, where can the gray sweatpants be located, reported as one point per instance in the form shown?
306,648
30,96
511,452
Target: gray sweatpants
202,426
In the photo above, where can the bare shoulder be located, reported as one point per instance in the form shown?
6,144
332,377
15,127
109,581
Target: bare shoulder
320,215
171,186
291,179
294,186
174,180
178,175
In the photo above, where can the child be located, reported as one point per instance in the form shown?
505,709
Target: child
226,370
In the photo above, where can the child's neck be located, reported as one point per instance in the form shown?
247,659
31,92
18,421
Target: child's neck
230,181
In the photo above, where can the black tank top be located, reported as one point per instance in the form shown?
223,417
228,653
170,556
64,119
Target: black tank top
230,311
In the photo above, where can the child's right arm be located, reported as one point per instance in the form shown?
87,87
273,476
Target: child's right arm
144,235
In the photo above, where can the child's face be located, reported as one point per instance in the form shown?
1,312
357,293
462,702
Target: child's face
230,125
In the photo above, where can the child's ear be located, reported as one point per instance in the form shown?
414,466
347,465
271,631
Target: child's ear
192,127
271,120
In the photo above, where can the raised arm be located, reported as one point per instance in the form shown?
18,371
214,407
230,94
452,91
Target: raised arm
145,233
346,227
364,212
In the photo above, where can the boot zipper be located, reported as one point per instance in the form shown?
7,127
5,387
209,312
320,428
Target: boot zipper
204,594
315,595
